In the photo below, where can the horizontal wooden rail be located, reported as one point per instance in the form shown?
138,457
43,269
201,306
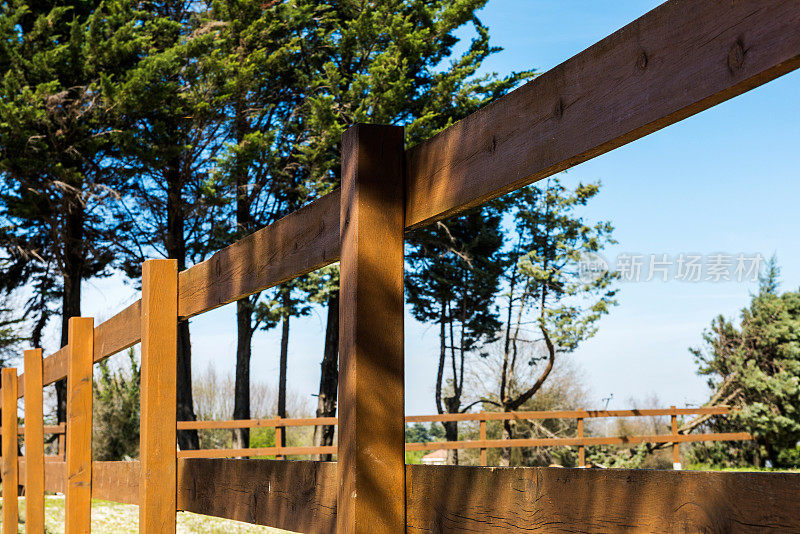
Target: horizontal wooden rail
679,59
255,423
48,429
114,335
257,451
301,497
565,414
301,242
577,441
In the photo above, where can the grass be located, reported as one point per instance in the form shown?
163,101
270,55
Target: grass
116,518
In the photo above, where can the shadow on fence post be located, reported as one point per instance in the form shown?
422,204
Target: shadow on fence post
78,500
158,424
8,377
34,442
371,453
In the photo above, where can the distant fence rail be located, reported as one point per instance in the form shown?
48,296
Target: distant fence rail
580,440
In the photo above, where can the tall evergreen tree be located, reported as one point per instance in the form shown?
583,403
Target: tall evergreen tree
57,148
545,286
755,366
265,53
169,126
390,62
454,270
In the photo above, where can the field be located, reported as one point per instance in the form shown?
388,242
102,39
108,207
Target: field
115,518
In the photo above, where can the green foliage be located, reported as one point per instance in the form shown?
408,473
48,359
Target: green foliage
115,428
755,366
545,287
11,336
57,145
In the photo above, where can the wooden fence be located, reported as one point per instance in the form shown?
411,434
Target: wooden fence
580,440
681,58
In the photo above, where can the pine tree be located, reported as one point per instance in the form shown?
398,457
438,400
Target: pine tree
169,119
454,270
57,148
755,367
390,62
544,285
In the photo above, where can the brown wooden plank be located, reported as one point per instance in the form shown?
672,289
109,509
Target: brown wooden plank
577,441
254,423
371,456
297,496
111,481
46,429
78,502
566,414
8,378
55,478
444,499
299,243
264,451
34,442
683,57
112,336
118,333
116,481
158,397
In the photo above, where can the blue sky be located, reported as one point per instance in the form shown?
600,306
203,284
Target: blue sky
724,181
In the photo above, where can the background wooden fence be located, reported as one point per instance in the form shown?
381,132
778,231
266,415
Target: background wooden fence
683,57
579,440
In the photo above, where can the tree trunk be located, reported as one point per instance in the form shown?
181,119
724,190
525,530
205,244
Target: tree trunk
451,434
74,260
241,396
176,249
329,379
286,300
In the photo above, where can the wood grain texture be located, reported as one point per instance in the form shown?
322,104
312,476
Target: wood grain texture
371,429
8,382
118,333
158,396
301,242
112,336
296,496
78,501
264,451
111,481
117,482
683,57
55,476
301,497
445,499
34,442
255,423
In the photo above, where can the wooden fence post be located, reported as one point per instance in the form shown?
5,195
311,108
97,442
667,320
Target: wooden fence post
8,377
371,450
78,501
484,459
581,447
279,439
62,444
676,453
34,442
158,426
